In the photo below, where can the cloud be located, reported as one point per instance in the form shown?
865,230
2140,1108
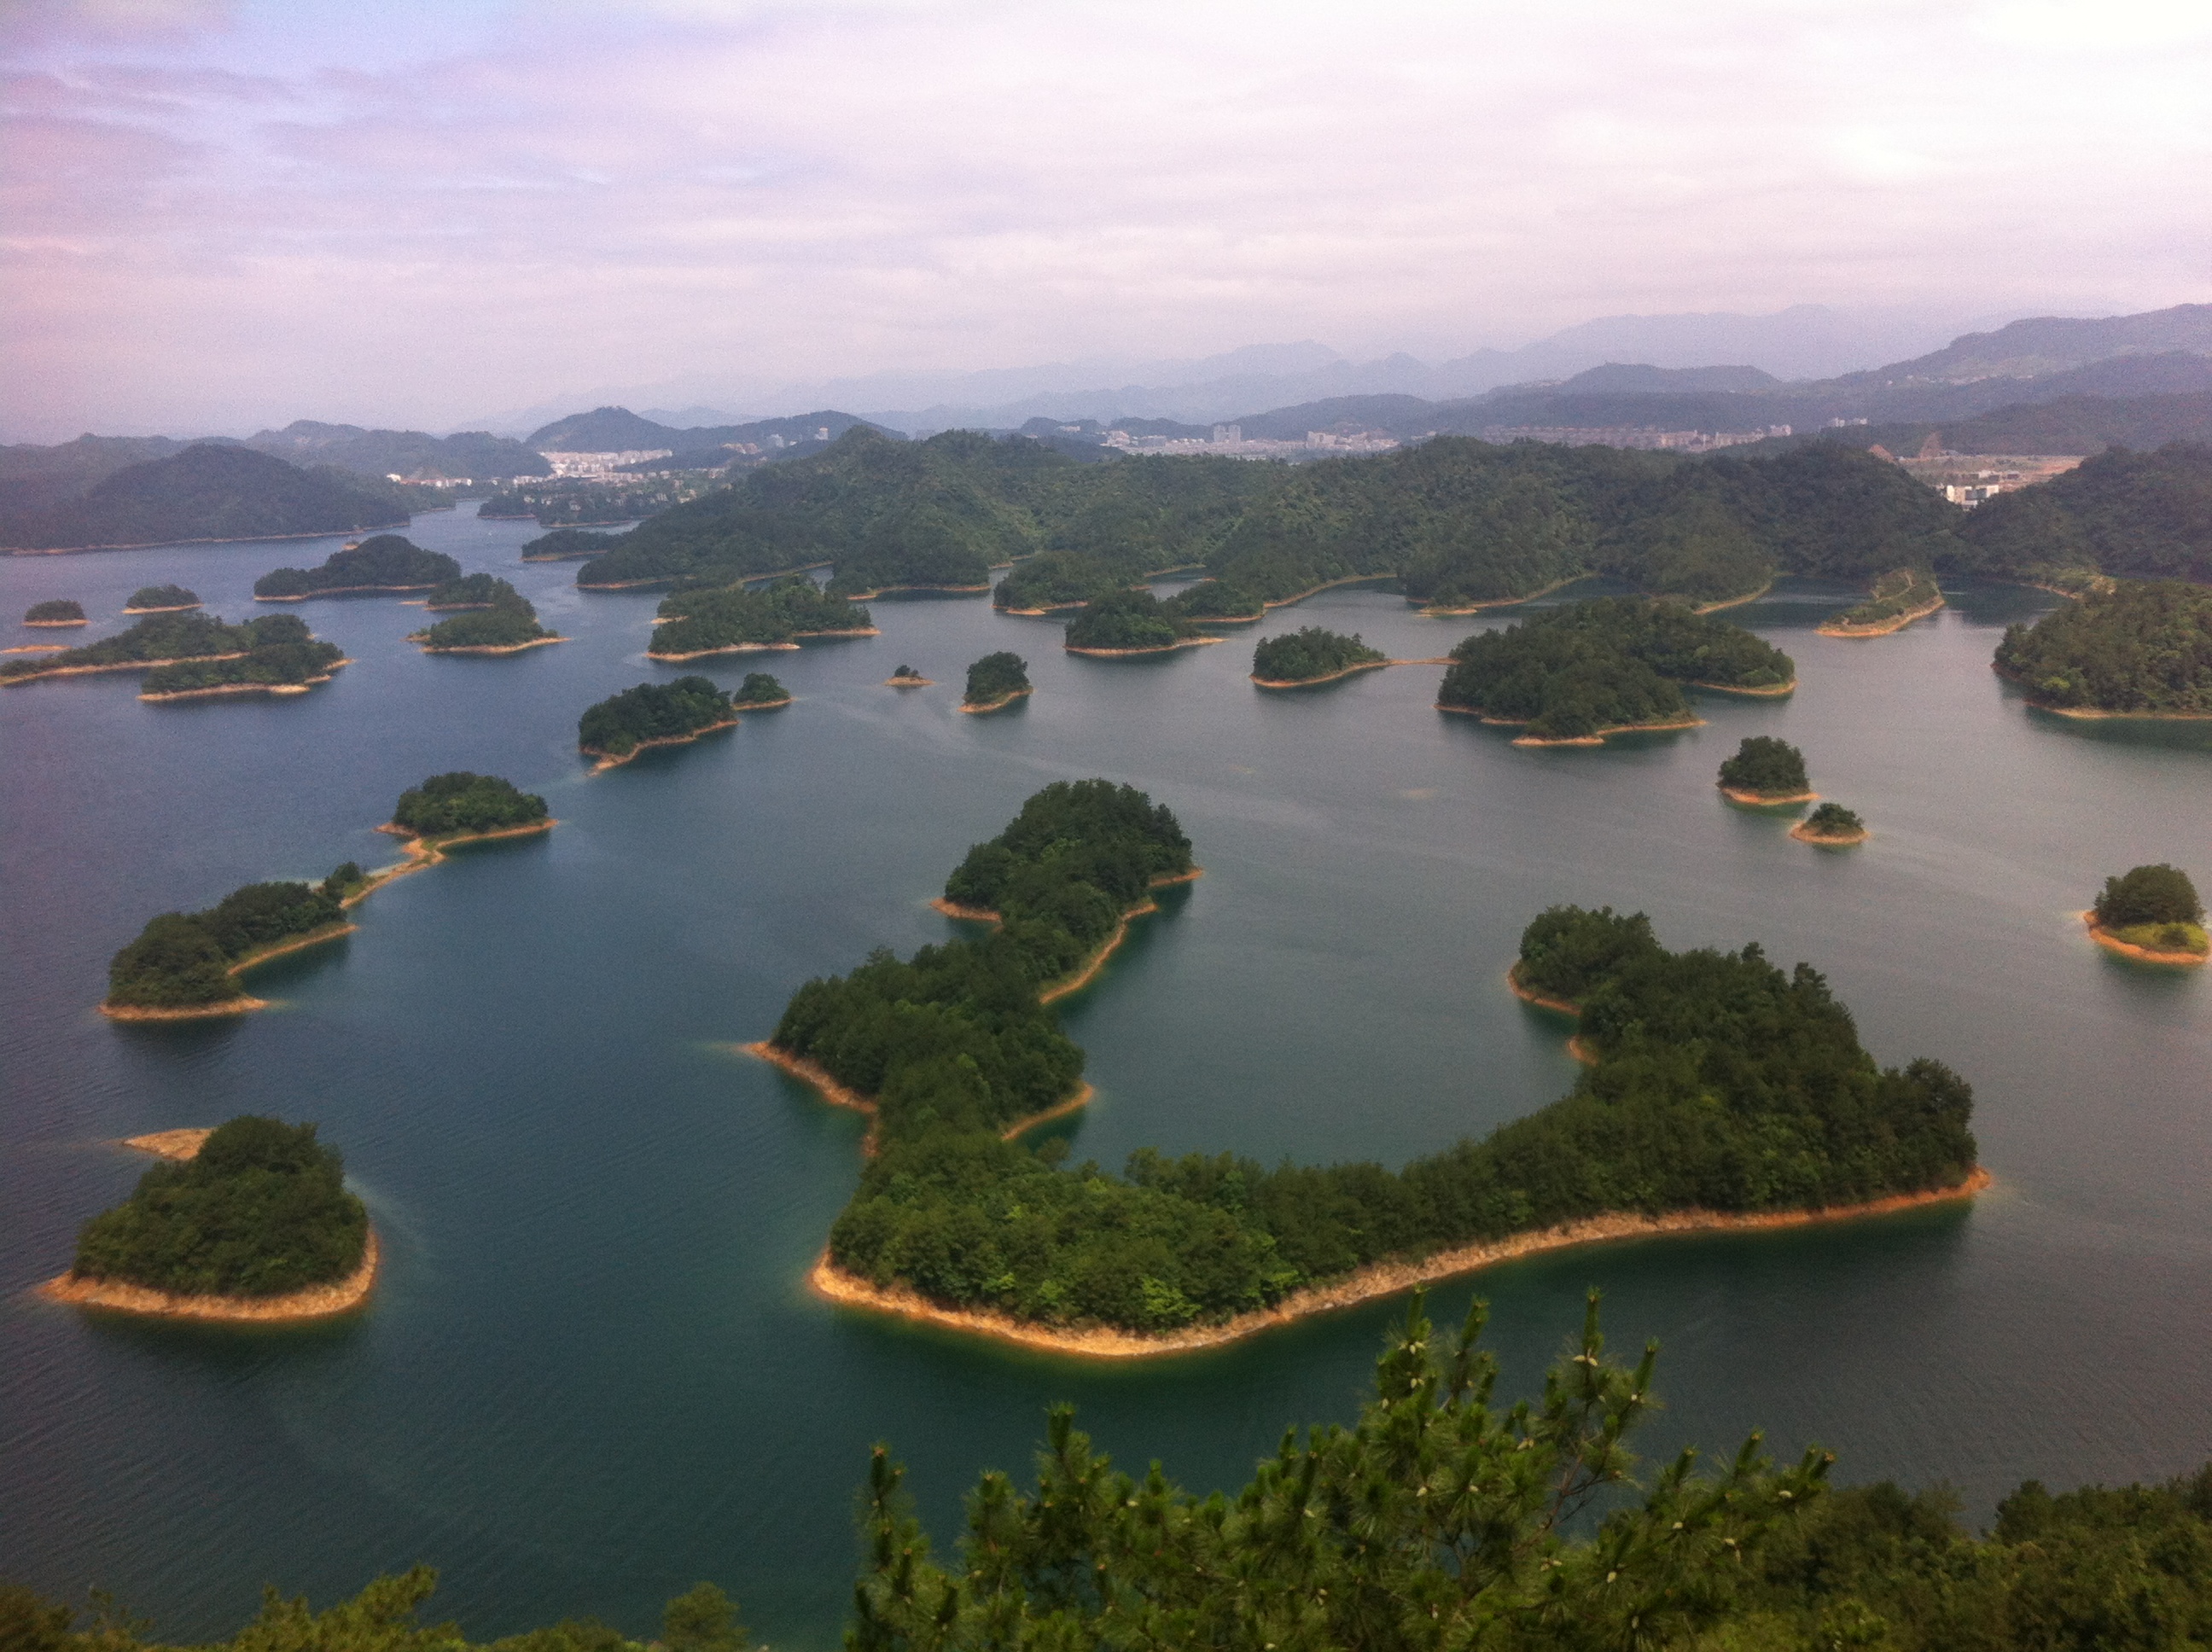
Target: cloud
425,214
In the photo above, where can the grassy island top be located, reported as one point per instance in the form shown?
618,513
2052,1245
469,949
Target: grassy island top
1764,767
385,563
2154,908
1311,654
2143,648
653,713
1900,595
163,637
1616,662
708,621
261,1211
995,677
1132,621
463,803
59,610
185,961
161,599
1721,1084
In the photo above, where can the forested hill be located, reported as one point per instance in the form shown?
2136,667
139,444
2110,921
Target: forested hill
474,455
206,492
2138,515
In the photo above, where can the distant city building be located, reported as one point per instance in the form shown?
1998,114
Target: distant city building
601,464
1229,432
1622,436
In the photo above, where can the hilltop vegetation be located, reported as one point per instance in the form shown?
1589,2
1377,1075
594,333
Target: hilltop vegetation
1311,653
2143,516
205,492
652,713
183,960
1613,663
1767,767
709,622
996,679
2144,648
385,563
261,1210
164,637
462,803
497,617
472,590
760,691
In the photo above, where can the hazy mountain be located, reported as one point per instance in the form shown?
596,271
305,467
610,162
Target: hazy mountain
473,454
617,430
34,478
209,491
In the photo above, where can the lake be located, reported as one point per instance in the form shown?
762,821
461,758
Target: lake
592,1376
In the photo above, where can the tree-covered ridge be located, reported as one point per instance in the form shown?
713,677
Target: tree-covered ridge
652,713
733,617
209,491
165,637
473,590
760,690
385,563
184,960
1057,579
148,598
1132,621
997,677
58,610
1311,654
465,803
1900,592
261,1211
2143,647
563,543
295,664
2142,515
1613,663
1767,768
496,616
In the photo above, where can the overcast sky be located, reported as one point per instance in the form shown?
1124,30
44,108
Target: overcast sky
224,213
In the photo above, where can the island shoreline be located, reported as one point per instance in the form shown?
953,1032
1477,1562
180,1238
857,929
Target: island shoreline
608,760
1760,800
319,1302
1884,628
2111,942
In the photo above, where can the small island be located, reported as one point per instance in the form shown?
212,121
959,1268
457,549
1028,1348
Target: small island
495,619
1124,623
462,807
1831,826
250,1223
162,599
1311,655
186,965
1765,771
163,640
760,692
52,615
1899,597
906,678
996,681
385,563
2151,915
563,543
653,714
733,620
2142,649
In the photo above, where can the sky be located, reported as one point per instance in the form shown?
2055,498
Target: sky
216,214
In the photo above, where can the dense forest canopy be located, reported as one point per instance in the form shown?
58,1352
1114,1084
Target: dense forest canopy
208,491
2144,516
496,616
2143,647
1216,599
705,621
183,960
760,689
462,802
261,1211
2149,895
295,662
1767,766
1311,654
653,712
385,563
473,590
58,610
997,677
151,597
166,637
1133,620
1572,671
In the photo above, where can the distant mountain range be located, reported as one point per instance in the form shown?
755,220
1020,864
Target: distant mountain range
693,448
207,491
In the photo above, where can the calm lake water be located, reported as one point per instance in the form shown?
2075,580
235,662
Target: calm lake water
592,1376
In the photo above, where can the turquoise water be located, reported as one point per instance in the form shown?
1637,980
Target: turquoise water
592,1376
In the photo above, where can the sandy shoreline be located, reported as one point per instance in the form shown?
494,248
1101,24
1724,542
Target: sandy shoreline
1000,704
1598,739
174,608
607,760
1498,602
487,647
63,625
1765,691
178,1144
1280,682
1762,800
762,648
1129,653
245,688
315,1303
1883,628
424,852
908,682
37,648
120,665
1528,995
243,1002
1803,833
345,590
1388,1278
2106,938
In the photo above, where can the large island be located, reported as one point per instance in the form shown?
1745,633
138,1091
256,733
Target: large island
1311,655
2141,649
386,563
653,714
250,1222
734,619
1724,1093
1125,622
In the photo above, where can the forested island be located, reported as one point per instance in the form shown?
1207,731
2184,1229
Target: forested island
187,964
652,713
564,543
1831,826
165,639
996,681
1765,770
57,611
207,492
257,1224
495,619
456,807
1130,623
1724,1092
1897,597
1052,580
760,692
734,619
162,599
1300,659
1577,673
2151,914
283,660
2142,649
386,563
906,678
1218,601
